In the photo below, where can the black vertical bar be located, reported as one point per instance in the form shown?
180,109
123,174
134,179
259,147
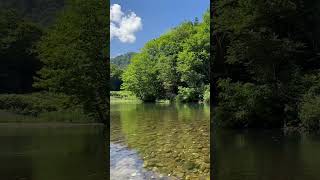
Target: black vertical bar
212,98
107,125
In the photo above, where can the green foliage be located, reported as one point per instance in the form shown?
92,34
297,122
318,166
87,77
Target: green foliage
122,94
115,77
18,62
74,53
176,62
309,108
187,95
141,77
310,112
206,94
34,104
268,52
246,105
65,116
117,66
39,11
122,61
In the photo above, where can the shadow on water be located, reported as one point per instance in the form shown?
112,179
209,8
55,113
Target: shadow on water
172,140
266,154
51,153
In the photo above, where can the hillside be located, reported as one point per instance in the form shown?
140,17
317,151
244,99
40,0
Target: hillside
122,61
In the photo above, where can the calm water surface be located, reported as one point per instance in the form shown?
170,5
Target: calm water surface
44,152
156,141
266,155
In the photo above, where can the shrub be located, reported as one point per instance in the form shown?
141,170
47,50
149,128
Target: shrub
309,112
309,108
246,105
72,116
187,95
33,104
206,94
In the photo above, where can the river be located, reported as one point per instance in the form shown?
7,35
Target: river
266,155
52,152
159,141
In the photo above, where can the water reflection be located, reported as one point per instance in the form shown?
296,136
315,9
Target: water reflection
266,155
51,153
171,139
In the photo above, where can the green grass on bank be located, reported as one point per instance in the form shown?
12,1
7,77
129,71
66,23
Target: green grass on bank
129,97
47,117
123,97
40,107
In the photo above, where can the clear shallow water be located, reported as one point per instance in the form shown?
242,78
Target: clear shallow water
127,165
266,155
45,152
167,141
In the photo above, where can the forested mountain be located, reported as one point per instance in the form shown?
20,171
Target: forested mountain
266,68
122,61
39,11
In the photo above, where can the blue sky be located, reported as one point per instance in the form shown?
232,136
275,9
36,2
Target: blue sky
148,19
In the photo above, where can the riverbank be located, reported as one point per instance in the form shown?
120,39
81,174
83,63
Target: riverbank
49,124
123,97
129,97
40,107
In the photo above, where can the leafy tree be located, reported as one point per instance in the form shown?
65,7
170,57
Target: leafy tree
193,61
75,56
141,75
270,44
18,62
176,62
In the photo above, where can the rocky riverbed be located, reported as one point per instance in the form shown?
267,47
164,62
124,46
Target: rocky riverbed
126,165
168,141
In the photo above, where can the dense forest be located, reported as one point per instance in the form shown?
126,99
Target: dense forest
65,63
117,66
174,66
43,12
19,61
266,66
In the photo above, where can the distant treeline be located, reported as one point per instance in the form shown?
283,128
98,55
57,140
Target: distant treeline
117,66
42,12
266,68
174,66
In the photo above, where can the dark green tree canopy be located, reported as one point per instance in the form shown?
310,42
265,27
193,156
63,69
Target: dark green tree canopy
264,50
18,59
75,56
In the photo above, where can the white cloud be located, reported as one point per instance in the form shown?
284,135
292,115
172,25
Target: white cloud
124,26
